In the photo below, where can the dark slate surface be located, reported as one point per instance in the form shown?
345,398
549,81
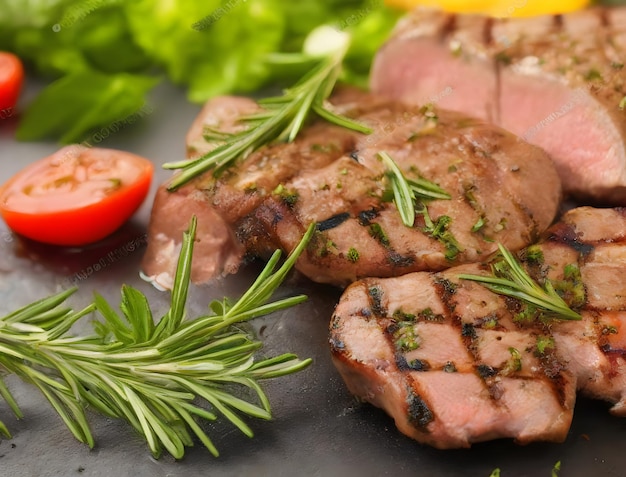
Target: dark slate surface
318,428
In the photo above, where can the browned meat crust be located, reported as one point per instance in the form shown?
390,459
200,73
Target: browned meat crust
557,81
455,364
502,188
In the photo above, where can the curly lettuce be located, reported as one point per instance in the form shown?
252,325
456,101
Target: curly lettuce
209,48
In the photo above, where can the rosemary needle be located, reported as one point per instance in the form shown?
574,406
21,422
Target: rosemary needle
162,378
282,117
510,279
407,191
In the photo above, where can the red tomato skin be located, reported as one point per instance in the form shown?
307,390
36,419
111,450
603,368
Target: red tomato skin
81,225
11,80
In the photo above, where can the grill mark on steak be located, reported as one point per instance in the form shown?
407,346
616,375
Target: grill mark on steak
608,350
448,26
399,261
488,31
394,258
605,18
536,227
494,115
468,383
566,234
419,413
485,371
333,221
413,365
376,298
366,216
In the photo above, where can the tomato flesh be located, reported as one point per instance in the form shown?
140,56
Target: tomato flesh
76,196
11,79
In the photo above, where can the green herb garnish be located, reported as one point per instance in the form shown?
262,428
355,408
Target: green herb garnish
353,255
544,343
405,338
438,230
281,119
163,378
514,364
377,232
510,279
480,223
593,75
288,196
406,192
571,288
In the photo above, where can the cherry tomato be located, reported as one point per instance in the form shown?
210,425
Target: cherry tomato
76,196
11,79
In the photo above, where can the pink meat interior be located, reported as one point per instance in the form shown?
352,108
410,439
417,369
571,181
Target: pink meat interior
568,123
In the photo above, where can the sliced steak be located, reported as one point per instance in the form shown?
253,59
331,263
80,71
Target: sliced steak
557,81
502,189
455,364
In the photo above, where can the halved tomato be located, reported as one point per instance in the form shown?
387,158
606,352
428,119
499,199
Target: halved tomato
76,196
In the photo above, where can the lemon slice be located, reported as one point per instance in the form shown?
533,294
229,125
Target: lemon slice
497,8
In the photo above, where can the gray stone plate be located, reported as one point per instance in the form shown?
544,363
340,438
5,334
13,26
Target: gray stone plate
318,428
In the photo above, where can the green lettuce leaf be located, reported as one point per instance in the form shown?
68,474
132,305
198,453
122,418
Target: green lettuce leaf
212,47
68,39
75,105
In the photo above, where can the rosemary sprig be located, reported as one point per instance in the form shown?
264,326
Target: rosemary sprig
406,192
510,279
281,118
162,378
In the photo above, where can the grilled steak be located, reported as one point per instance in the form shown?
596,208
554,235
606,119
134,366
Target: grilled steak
455,364
557,81
502,190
